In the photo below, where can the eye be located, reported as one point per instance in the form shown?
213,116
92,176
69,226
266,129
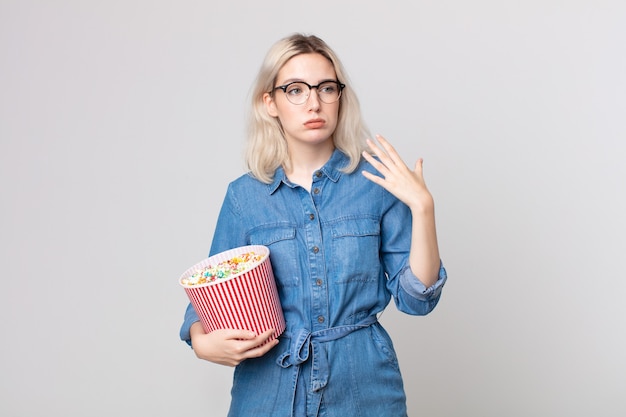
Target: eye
295,89
328,88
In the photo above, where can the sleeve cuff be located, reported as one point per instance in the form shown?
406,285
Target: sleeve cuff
190,318
415,288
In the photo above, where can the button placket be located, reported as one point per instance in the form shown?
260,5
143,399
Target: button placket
319,301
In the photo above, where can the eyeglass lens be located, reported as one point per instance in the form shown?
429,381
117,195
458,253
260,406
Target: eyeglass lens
299,92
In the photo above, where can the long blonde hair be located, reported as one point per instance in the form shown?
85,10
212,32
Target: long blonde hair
266,149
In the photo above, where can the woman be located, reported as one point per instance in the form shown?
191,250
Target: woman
346,232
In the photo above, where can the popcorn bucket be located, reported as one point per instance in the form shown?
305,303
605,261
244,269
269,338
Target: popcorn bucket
242,299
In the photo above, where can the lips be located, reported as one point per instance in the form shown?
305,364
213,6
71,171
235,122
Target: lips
314,123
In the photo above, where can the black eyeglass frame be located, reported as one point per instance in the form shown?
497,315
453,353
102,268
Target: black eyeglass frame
340,85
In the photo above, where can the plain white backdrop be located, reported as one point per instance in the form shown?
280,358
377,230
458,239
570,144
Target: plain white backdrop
121,123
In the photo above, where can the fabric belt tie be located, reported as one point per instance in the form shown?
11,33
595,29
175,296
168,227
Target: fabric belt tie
306,344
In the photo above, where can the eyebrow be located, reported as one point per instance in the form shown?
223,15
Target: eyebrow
300,80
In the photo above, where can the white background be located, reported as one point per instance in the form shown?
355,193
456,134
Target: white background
121,123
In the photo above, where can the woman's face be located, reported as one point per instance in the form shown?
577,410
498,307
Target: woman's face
310,123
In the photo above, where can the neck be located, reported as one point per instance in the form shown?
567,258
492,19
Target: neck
304,162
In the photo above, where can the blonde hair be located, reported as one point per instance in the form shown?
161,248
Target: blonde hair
266,148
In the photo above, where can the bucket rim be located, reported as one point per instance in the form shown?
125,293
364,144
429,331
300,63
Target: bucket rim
222,256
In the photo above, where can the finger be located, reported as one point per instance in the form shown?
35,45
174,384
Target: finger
377,151
374,178
261,349
389,149
378,166
419,166
266,335
258,340
383,161
238,334
261,345
373,161
389,157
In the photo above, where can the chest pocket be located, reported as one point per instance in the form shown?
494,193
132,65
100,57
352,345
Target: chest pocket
281,241
355,249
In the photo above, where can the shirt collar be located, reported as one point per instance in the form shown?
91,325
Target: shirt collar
332,169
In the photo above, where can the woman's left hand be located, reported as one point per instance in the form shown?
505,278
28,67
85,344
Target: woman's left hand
408,186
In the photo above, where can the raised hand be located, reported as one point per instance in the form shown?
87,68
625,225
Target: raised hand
396,177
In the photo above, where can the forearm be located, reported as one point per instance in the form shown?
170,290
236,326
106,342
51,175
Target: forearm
409,187
424,257
196,329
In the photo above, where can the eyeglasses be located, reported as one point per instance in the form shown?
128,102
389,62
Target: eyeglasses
298,92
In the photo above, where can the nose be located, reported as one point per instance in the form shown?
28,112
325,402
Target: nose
313,101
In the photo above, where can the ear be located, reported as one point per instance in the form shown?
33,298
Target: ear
270,105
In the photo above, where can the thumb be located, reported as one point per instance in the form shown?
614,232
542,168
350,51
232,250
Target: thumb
419,164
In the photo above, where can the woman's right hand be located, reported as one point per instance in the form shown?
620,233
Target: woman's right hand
228,346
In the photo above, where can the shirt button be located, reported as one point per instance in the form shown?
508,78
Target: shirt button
318,174
311,216
320,319
315,249
316,190
319,282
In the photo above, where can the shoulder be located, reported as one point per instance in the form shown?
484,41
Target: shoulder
247,188
246,181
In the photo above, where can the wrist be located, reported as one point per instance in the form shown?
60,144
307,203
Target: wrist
196,329
423,207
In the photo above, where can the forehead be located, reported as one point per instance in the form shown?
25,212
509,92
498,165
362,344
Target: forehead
307,67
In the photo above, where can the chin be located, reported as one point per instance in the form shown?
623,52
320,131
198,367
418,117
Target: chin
321,135
320,140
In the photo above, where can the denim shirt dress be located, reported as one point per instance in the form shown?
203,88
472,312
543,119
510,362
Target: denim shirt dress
339,253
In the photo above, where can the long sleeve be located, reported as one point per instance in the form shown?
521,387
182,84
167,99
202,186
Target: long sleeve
410,294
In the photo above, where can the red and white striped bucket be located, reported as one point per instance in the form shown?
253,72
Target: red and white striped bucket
248,300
